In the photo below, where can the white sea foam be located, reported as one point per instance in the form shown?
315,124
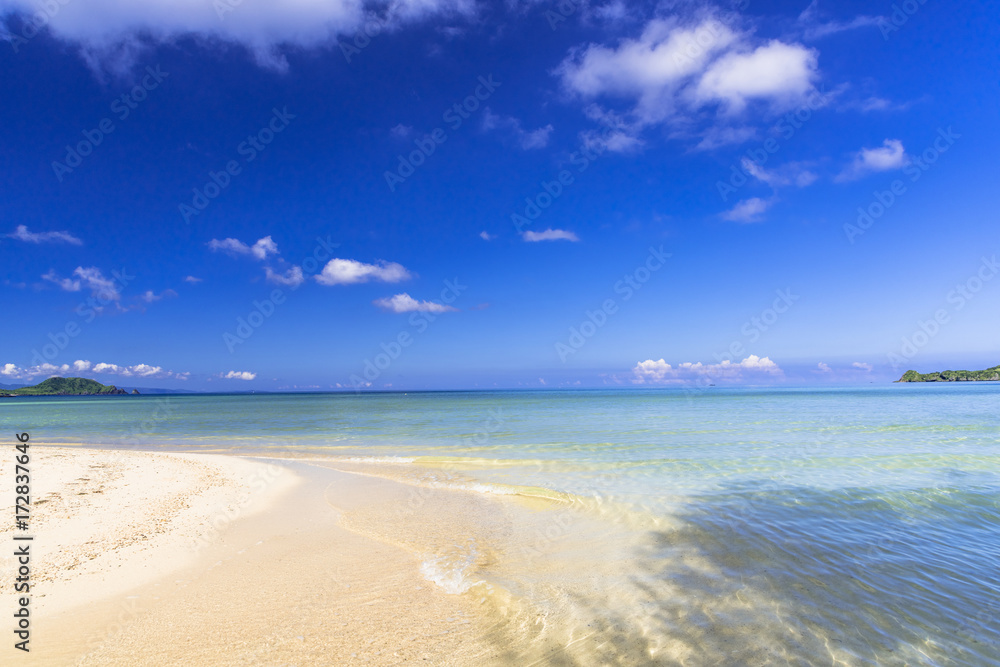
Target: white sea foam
451,572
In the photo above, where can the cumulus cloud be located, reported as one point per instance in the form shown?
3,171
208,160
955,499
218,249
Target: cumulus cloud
890,155
748,210
675,69
192,280
111,34
404,303
526,139
81,366
293,277
238,375
867,368
824,368
350,271
22,233
259,250
778,72
549,235
486,236
660,372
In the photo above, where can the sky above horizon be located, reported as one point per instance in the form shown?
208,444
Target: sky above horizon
232,195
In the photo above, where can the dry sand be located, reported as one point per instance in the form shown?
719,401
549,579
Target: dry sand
144,558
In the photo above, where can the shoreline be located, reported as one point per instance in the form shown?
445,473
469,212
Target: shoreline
165,558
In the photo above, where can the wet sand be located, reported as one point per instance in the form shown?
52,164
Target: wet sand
145,558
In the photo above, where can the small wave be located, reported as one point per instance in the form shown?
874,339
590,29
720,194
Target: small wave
377,459
450,572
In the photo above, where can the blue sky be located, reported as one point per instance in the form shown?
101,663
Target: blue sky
237,196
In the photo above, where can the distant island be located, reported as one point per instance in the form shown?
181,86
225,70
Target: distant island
57,386
952,376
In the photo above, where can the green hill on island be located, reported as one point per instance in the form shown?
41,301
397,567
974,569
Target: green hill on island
952,376
57,386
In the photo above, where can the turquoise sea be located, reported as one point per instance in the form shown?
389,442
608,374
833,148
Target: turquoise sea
807,526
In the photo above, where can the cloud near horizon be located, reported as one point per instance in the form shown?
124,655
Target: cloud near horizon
84,366
660,372
238,375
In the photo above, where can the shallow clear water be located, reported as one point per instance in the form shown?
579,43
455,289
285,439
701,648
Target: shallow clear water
751,526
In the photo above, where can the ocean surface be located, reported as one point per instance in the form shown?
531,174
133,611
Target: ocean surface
806,526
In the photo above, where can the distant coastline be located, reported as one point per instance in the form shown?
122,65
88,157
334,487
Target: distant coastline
987,375
59,386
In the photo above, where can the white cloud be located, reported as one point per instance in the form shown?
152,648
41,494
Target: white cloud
81,366
350,271
779,72
404,303
259,250
238,375
549,235
192,280
149,296
112,34
793,173
862,366
67,284
660,372
90,277
748,210
815,27
526,139
292,278
890,155
824,368
22,233
101,287
486,236
673,69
